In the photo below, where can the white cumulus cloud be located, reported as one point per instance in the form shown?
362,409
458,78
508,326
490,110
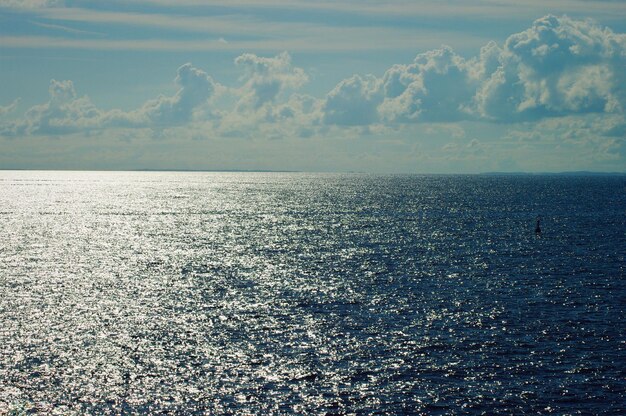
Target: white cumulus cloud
266,78
559,66
65,112
353,101
4,110
435,87
196,88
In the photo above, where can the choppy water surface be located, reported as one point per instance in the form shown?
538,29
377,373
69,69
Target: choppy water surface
261,293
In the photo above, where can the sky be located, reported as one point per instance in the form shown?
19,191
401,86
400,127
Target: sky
395,86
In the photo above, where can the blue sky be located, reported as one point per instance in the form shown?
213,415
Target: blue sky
377,86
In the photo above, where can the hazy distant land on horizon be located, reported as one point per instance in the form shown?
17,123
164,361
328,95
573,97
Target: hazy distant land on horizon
278,293
489,173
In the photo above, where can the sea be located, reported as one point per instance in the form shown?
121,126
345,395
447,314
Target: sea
267,293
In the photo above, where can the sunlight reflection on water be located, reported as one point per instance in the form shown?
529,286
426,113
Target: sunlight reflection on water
310,293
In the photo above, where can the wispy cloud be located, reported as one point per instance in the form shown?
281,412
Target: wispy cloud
66,29
31,4
452,8
245,27
359,40
241,24
9,108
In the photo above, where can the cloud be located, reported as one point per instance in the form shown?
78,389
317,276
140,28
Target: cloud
266,78
257,103
582,140
299,116
267,103
4,110
196,87
429,8
66,113
244,29
30,4
556,68
63,113
353,101
472,150
66,29
616,128
436,87
559,66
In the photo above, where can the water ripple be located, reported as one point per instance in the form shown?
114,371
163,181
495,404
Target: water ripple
194,293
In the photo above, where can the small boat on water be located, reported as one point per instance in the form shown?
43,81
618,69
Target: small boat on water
538,226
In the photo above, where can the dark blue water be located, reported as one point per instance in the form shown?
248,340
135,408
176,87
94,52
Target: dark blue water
268,293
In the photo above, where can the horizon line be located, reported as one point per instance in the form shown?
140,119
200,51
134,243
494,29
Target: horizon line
488,173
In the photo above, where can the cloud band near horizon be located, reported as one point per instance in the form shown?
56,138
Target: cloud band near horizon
557,67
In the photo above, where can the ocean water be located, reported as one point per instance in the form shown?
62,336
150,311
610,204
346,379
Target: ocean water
293,293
